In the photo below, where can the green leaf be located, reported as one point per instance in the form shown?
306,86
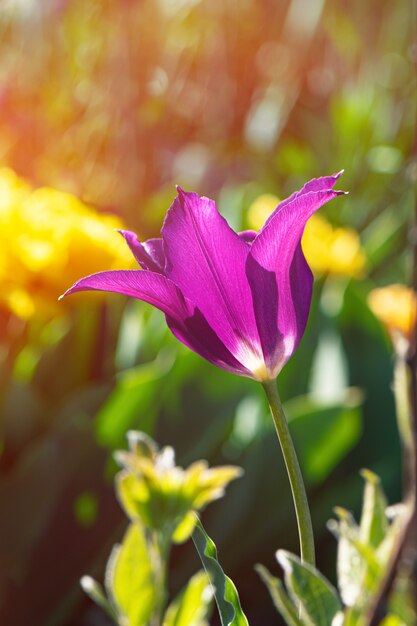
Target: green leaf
318,599
350,564
133,497
185,528
374,524
323,434
95,591
279,597
225,593
134,401
192,606
130,578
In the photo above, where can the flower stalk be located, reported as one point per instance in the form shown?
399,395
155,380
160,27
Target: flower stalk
160,549
302,511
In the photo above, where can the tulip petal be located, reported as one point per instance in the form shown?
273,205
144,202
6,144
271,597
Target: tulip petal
197,334
144,285
185,321
149,254
277,250
206,260
248,235
315,184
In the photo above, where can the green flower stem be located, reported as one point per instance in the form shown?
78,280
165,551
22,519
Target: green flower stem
160,545
302,511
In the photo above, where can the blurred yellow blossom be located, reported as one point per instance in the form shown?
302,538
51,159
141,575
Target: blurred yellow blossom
332,250
396,307
164,496
261,209
328,249
48,239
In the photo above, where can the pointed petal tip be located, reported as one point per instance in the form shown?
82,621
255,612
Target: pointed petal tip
66,293
339,174
126,233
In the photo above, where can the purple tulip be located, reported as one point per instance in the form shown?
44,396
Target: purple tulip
240,300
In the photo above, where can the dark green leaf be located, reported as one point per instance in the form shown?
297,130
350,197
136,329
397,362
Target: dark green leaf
225,593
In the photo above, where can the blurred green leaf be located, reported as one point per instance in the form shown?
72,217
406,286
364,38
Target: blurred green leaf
350,565
323,434
225,593
96,593
133,401
392,620
85,508
185,528
129,580
192,606
279,597
318,599
374,524
133,497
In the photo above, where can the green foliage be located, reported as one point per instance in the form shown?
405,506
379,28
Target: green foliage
364,551
374,524
132,594
135,594
130,578
192,606
85,508
162,495
225,593
316,597
96,592
349,101
160,499
280,598
323,433
135,392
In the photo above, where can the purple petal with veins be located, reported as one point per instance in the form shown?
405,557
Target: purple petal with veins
240,300
150,254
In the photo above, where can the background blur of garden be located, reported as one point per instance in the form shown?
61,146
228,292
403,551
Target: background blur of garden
104,107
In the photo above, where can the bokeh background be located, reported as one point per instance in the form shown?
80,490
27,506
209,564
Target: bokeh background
104,107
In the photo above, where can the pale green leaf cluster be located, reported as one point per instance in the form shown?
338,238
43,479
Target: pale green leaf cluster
364,550
132,595
164,496
160,499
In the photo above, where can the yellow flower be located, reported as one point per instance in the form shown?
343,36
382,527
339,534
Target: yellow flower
396,307
261,209
48,239
328,250
331,250
164,496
